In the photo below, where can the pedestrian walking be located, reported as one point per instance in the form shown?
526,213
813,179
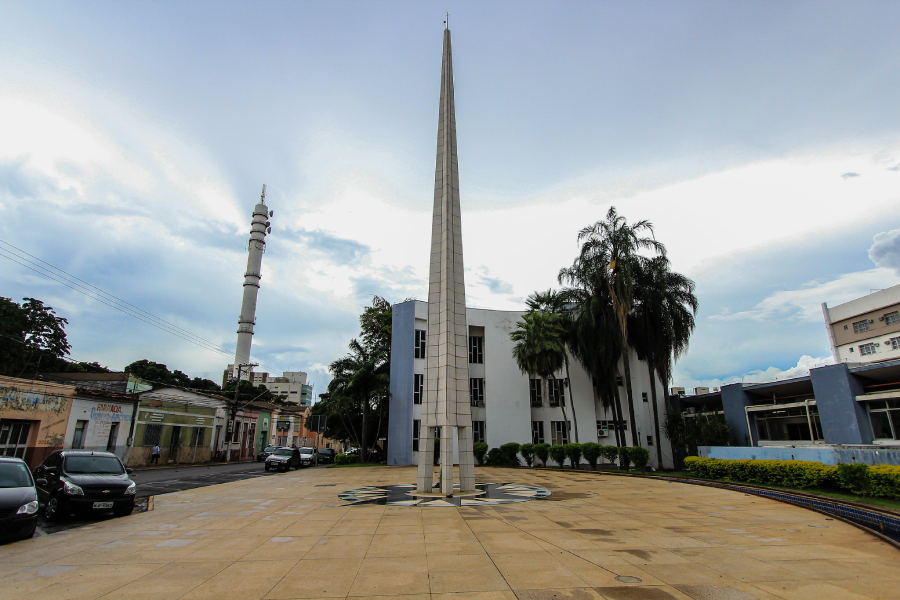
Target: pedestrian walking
154,455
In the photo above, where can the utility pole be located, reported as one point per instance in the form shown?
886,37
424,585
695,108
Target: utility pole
232,413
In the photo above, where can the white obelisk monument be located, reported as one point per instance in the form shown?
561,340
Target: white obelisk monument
446,356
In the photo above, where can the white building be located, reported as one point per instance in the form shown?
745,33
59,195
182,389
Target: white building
99,423
507,406
866,329
292,386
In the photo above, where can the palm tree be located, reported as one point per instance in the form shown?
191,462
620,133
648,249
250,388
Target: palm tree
540,348
662,322
594,331
551,302
613,244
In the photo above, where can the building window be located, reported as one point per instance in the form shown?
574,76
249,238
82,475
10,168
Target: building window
610,425
559,432
476,349
198,436
892,318
152,434
417,425
420,343
478,432
476,391
534,392
556,392
649,440
895,343
418,388
866,349
644,397
861,326
885,419
78,436
537,432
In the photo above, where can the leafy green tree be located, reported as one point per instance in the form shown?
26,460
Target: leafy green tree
610,453
542,451
687,433
573,452
32,338
591,451
640,457
624,457
539,347
510,452
527,452
495,457
558,454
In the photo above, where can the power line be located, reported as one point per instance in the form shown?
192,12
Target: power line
95,293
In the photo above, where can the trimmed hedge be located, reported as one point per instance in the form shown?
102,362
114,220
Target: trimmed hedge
345,459
480,450
882,481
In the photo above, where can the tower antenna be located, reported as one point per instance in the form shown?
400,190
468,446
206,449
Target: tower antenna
262,197
447,22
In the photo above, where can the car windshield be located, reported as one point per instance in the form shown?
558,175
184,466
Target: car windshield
96,465
14,475
269,448
306,450
283,452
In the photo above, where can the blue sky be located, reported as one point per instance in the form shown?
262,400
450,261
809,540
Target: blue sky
761,139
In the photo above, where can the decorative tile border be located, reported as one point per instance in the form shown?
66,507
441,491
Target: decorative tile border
486,494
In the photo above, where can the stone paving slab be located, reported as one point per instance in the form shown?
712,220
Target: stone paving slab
290,537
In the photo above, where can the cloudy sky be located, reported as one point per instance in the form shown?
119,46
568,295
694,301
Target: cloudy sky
762,139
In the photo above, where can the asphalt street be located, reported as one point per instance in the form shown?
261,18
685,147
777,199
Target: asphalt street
153,482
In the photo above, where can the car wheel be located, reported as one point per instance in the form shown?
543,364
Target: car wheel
53,510
267,466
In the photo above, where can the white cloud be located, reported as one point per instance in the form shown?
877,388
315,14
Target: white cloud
804,364
885,250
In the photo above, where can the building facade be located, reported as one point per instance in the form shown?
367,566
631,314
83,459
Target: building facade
866,329
100,420
33,418
187,426
507,405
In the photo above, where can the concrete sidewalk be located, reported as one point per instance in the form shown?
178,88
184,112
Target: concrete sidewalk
289,536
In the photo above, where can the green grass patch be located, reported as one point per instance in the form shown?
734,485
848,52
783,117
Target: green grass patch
818,491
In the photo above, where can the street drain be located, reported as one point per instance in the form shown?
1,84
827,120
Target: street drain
628,579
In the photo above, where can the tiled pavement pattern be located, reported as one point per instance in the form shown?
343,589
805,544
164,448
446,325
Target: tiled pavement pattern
290,537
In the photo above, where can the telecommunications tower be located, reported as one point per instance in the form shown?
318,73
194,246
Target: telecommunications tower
259,227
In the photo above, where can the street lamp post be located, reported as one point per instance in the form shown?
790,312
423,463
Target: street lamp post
234,407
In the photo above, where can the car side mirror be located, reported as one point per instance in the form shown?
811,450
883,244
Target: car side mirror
40,481
127,470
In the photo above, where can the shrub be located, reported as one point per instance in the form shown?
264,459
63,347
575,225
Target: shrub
884,481
854,477
495,457
510,454
624,458
527,452
610,453
591,453
345,459
558,454
542,451
640,457
479,449
573,452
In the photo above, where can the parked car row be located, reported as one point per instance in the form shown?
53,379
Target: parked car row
283,459
68,481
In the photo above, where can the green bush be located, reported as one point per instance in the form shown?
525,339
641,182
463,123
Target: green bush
558,454
510,452
882,481
591,453
573,452
610,453
854,477
542,451
624,458
495,457
527,452
479,449
345,459
640,457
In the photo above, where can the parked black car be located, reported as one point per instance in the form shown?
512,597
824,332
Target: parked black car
265,453
283,459
326,455
84,481
18,500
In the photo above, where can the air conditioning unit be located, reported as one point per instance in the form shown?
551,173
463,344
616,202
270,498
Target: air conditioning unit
881,318
602,432
877,344
871,321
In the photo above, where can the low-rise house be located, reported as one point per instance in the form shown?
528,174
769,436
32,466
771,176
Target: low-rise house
33,418
186,425
100,420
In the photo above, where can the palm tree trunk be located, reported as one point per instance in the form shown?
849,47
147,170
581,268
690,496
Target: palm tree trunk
571,401
617,418
652,371
364,451
628,391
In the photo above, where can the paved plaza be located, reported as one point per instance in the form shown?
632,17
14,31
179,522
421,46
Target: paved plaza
611,537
